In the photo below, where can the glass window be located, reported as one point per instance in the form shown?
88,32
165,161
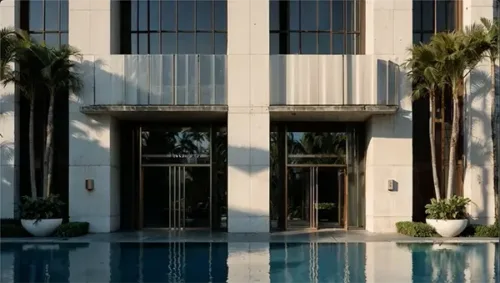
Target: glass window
186,26
48,21
314,26
430,16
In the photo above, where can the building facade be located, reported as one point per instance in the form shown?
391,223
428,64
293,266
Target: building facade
245,115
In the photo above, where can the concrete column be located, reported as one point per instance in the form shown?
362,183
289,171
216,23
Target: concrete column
9,121
389,137
478,182
248,115
93,141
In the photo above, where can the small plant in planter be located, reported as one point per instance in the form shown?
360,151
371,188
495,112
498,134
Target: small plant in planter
448,216
41,216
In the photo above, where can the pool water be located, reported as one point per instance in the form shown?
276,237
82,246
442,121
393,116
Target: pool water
248,262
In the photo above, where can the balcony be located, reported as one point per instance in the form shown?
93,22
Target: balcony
335,80
154,80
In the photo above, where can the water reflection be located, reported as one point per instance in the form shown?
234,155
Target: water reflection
248,262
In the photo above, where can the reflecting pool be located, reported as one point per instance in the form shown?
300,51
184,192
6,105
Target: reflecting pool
248,262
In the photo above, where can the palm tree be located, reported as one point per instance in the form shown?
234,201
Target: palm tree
457,53
60,78
8,41
28,80
491,30
427,80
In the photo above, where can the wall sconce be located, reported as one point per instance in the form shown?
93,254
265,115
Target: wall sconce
89,185
392,186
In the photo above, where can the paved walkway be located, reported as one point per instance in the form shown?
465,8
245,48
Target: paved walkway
323,236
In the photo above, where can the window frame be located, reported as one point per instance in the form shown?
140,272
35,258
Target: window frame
136,33
284,31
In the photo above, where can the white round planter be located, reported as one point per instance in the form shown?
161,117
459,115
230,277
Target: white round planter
42,228
448,228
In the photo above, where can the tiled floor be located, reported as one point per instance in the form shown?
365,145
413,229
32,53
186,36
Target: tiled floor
323,236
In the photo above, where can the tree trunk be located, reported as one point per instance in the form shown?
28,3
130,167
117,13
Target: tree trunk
433,148
493,124
32,147
453,144
49,153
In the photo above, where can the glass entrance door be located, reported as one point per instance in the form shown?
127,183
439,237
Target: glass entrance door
316,197
176,197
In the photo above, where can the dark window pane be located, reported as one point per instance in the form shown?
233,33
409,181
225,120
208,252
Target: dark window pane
441,15
154,43
294,15
337,15
416,37
143,14
351,20
38,37
204,43
274,43
308,43
337,44
417,15
36,15
220,15
324,15
185,15
133,43
352,44
52,39
450,15
154,15
274,15
220,43
64,38
64,15
428,15
168,43
143,44
308,15
51,15
186,43
133,15
204,15
427,37
168,15
294,47
324,43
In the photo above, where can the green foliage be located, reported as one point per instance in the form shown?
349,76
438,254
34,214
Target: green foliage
415,229
72,229
11,228
447,209
325,206
41,208
489,231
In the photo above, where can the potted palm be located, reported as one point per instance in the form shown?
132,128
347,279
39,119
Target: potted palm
448,216
41,216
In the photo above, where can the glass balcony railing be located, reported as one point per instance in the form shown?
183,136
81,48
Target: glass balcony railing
155,80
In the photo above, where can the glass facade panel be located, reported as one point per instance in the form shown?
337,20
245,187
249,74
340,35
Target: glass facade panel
176,26
183,177
315,26
311,172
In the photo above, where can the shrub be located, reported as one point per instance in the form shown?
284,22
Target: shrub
447,209
415,229
489,231
10,228
41,208
72,229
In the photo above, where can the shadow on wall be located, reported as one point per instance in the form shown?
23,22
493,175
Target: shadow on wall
478,146
94,142
8,156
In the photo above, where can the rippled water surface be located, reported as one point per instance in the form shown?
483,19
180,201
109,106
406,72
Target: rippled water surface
249,262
